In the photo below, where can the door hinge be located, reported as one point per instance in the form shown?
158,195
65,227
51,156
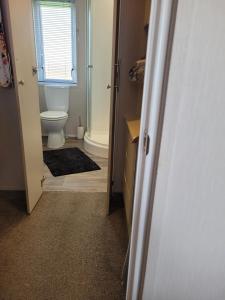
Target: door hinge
34,70
117,75
146,142
42,181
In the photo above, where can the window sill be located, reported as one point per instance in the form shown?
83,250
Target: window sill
57,84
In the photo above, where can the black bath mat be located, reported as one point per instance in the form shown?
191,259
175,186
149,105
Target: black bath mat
68,161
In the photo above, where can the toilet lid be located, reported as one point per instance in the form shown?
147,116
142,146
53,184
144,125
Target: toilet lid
53,115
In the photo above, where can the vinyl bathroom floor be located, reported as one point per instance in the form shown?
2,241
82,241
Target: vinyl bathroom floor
94,181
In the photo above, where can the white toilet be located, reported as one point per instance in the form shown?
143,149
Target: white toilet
54,119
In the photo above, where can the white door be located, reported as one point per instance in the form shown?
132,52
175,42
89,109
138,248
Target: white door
23,58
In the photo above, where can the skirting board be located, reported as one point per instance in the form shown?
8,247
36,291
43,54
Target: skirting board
66,136
71,136
12,188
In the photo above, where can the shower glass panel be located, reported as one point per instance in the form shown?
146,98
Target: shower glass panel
99,66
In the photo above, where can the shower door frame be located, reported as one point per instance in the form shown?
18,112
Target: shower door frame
88,60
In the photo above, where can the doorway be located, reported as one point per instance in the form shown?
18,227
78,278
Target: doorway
74,91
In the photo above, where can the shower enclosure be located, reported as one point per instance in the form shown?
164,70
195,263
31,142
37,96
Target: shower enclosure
99,66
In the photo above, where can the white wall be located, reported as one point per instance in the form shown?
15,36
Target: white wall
101,48
78,103
186,258
11,168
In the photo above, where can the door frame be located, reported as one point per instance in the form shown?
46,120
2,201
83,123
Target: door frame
161,24
160,40
113,99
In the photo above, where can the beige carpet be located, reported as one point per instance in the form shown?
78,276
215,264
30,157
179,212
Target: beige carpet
67,249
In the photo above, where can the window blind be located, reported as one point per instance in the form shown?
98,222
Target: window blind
55,36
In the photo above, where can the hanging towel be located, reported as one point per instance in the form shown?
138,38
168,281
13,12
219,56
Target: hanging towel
136,73
5,69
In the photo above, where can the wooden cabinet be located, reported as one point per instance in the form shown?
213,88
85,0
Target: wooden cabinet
132,135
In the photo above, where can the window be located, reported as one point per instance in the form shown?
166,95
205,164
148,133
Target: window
55,37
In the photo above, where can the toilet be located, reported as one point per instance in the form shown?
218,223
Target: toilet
54,119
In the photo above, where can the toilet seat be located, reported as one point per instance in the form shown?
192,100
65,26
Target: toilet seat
53,115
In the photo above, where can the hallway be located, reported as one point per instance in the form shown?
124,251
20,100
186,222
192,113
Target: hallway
67,249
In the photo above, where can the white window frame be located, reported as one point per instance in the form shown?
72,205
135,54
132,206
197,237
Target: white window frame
40,47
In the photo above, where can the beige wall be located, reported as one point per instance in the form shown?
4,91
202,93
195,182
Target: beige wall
11,168
78,103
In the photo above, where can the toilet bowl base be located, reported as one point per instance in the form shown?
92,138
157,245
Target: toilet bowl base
56,140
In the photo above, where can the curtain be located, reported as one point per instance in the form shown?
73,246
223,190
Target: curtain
5,69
